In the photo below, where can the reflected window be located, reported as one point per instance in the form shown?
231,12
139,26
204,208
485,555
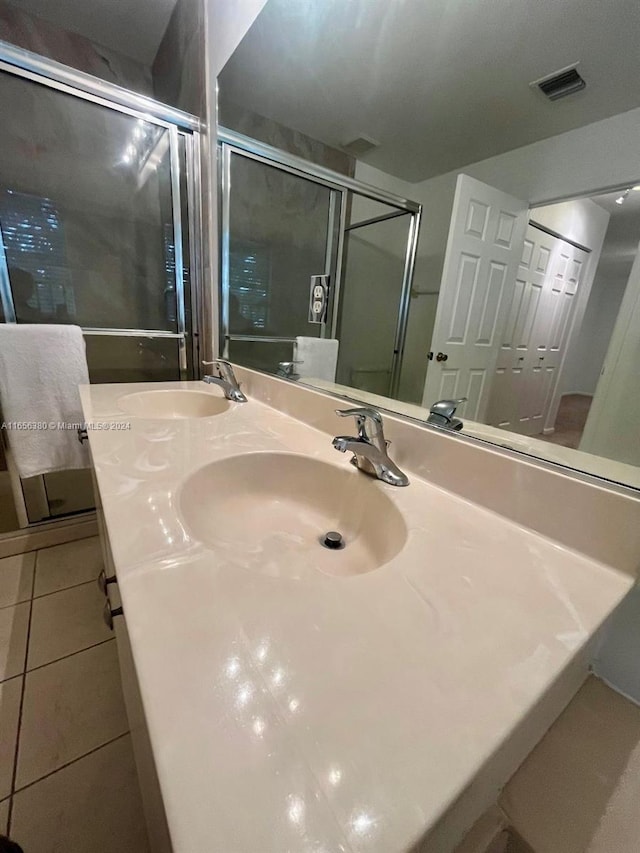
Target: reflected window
249,288
36,256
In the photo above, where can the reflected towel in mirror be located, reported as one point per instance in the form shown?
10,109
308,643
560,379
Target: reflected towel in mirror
316,358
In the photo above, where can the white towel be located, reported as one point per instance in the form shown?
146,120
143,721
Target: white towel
317,357
41,367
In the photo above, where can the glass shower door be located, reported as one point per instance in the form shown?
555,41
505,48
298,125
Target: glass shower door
373,290
92,218
279,229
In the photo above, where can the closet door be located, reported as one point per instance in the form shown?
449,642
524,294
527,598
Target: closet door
536,333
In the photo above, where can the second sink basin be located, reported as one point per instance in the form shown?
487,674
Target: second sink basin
270,512
173,404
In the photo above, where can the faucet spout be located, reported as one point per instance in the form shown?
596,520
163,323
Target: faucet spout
369,447
442,414
226,379
340,442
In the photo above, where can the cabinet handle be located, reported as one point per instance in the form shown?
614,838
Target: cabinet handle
108,614
104,581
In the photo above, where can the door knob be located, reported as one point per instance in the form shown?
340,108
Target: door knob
442,356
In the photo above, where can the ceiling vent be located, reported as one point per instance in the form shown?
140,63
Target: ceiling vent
360,146
560,83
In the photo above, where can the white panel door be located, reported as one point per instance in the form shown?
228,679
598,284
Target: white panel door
484,249
536,332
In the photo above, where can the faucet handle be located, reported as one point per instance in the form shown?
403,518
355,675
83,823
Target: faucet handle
360,411
217,362
225,368
363,416
447,408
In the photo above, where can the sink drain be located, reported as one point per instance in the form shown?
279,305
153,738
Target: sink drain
333,540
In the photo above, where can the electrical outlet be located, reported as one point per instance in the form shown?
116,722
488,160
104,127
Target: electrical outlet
318,298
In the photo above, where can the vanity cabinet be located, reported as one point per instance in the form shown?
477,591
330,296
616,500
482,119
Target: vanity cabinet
157,828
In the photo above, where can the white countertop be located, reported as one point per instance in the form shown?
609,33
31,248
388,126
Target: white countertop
320,713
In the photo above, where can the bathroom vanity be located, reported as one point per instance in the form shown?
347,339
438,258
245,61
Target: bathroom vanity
285,696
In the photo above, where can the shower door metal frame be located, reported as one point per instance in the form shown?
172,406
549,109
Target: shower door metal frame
54,75
230,142
331,264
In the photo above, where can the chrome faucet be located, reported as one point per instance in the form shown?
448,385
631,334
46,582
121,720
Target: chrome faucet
369,447
226,379
287,369
442,414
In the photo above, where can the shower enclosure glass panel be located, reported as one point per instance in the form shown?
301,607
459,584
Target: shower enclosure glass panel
86,212
285,219
278,231
94,231
373,285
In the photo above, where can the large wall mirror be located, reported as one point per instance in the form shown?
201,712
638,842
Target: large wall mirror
441,201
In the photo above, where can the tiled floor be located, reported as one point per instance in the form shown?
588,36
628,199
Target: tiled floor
67,776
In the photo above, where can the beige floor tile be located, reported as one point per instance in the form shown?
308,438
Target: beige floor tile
10,694
67,565
16,578
578,791
90,806
8,517
4,816
66,622
14,627
70,708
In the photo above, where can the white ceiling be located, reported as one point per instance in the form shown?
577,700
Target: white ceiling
132,27
439,83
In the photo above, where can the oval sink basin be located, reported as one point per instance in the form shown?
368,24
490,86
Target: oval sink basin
173,404
270,512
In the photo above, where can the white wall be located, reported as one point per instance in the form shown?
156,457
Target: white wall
618,660
612,428
618,254
587,355
228,23
580,220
